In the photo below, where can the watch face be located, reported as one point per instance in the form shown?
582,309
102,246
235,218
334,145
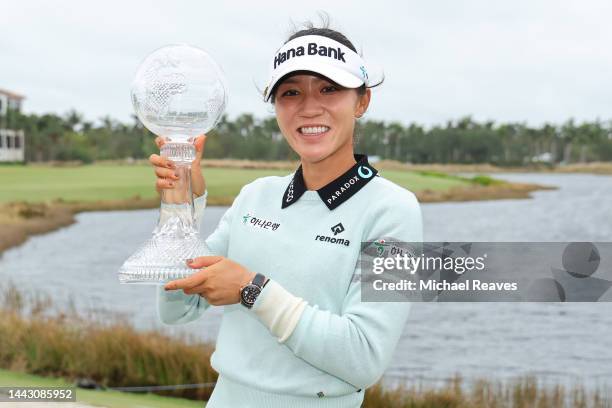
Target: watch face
249,294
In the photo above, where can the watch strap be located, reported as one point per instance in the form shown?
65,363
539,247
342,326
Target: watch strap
259,280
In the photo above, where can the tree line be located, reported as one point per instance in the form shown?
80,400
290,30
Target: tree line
70,137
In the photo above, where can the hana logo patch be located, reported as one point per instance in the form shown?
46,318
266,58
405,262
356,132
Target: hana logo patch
260,222
380,245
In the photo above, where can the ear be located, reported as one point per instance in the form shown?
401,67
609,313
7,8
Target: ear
362,103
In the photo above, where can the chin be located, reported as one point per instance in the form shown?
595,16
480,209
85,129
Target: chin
312,156
313,152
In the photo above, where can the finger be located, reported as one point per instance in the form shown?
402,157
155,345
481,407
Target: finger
203,261
189,282
199,143
163,172
163,183
161,161
159,141
199,289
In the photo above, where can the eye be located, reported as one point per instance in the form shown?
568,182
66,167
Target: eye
329,89
290,92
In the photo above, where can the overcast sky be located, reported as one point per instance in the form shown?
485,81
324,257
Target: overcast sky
533,61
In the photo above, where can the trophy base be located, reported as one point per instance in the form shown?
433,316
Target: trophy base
161,259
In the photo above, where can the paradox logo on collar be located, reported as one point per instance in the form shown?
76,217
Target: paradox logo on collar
364,172
339,190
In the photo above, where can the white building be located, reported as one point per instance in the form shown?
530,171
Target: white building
12,142
545,157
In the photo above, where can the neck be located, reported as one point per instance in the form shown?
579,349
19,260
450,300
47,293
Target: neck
321,173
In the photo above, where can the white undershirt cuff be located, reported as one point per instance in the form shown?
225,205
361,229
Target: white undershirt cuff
279,310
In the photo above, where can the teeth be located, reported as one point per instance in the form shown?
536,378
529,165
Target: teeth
314,129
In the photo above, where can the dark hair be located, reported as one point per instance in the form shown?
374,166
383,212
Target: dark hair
325,31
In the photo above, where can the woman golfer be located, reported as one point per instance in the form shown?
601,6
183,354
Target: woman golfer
295,332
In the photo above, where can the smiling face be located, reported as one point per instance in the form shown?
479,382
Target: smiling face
317,117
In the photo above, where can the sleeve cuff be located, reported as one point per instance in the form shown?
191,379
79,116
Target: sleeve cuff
278,310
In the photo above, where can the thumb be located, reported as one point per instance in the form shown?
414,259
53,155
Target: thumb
203,261
159,141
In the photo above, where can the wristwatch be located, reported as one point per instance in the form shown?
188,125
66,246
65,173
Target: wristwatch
250,291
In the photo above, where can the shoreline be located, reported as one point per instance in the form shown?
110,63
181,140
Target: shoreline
590,167
20,220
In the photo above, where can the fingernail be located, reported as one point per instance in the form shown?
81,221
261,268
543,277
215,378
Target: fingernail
171,165
188,261
176,175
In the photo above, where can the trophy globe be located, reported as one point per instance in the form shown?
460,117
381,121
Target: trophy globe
178,93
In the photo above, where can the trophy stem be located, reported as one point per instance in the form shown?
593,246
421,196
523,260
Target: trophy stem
176,237
177,215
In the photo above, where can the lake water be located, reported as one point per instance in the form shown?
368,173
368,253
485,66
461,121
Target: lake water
556,342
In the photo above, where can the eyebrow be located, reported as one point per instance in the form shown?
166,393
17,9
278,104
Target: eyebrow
290,81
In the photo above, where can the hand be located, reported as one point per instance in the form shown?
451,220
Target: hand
219,282
165,169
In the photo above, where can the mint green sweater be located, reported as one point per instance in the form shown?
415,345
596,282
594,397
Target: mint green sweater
340,345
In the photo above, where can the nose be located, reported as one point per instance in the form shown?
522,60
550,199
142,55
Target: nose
311,107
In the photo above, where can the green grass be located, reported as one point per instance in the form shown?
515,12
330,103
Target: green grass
484,180
418,181
111,399
115,182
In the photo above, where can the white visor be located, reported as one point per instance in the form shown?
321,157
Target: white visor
318,54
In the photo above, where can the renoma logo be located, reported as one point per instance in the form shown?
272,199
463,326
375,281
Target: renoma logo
248,219
311,49
336,229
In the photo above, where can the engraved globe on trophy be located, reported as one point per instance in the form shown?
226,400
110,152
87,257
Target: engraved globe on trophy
178,93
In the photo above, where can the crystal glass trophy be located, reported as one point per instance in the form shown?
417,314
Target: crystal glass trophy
178,93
